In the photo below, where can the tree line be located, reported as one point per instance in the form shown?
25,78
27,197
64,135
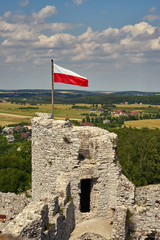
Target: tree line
44,97
15,165
138,152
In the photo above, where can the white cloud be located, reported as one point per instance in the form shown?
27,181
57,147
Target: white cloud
26,38
110,35
54,27
46,12
155,44
7,14
24,3
139,29
6,29
57,41
151,17
78,2
153,9
17,33
19,19
89,35
11,58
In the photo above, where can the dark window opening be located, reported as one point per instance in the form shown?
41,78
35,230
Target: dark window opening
81,157
85,195
83,153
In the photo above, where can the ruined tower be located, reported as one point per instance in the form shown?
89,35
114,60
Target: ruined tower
78,162
79,191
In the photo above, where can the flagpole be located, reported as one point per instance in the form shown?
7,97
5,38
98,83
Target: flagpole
52,71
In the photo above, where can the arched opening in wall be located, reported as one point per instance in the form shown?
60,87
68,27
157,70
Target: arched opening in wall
85,195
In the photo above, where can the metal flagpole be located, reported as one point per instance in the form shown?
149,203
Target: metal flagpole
52,71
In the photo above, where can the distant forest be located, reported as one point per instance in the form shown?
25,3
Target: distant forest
15,165
74,96
138,152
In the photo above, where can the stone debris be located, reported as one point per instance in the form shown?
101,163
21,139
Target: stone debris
93,228
90,236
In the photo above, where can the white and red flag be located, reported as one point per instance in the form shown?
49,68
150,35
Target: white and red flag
66,76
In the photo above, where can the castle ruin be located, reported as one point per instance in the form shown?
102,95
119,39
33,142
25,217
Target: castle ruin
79,191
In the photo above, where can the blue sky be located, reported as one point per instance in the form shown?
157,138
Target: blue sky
114,43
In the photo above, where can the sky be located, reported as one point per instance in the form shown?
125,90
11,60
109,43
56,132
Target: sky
113,43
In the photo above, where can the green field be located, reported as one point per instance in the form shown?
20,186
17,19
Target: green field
15,113
136,106
149,123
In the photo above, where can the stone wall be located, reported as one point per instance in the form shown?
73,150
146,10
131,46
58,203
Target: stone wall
52,155
146,213
119,230
63,153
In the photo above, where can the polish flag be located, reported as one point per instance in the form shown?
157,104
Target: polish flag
66,76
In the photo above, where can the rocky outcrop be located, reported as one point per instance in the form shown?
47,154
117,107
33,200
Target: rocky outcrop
45,219
11,205
30,222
